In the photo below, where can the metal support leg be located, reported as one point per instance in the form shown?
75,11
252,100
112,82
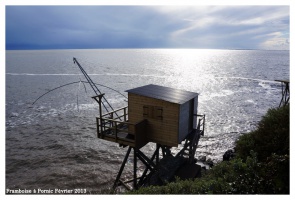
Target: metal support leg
155,155
149,163
285,92
122,167
135,169
145,160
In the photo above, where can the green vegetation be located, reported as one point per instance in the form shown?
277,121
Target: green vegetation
261,165
271,136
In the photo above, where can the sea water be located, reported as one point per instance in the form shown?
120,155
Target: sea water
52,143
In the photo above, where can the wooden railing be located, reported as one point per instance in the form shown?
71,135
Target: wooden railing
118,113
107,122
112,129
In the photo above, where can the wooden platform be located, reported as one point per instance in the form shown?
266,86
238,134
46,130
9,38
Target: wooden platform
122,132
122,138
283,81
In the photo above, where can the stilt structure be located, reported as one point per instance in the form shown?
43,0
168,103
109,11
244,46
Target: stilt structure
162,115
285,92
157,114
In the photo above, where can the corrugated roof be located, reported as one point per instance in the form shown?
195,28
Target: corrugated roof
164,93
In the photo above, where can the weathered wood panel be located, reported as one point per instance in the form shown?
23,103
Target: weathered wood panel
184,120
168,122
163,131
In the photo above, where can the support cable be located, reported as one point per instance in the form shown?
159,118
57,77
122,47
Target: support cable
74,83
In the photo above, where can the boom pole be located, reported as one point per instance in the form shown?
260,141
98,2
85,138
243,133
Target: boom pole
94,87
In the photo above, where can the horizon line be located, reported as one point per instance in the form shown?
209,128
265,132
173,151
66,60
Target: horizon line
106,48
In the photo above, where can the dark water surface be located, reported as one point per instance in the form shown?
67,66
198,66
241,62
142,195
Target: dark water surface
52,144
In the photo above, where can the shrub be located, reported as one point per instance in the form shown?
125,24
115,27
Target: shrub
271,136
261,166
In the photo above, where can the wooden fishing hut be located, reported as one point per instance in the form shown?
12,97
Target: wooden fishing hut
162,115
169,112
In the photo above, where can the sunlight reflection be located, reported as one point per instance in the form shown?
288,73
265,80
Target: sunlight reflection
188,65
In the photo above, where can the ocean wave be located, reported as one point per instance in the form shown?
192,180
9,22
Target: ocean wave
248,79
29,74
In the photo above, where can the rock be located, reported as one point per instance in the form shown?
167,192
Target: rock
202,159
188,171
210,163
228,155
166,170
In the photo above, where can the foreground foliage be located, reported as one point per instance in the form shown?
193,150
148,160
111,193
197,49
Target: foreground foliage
271,136
260,167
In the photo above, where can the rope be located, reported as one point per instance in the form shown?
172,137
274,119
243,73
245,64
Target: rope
74,83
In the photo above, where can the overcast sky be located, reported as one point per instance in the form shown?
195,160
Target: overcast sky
210,27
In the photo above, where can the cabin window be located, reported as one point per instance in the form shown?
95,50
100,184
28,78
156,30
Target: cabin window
153,112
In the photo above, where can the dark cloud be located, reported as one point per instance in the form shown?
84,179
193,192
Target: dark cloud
43,27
